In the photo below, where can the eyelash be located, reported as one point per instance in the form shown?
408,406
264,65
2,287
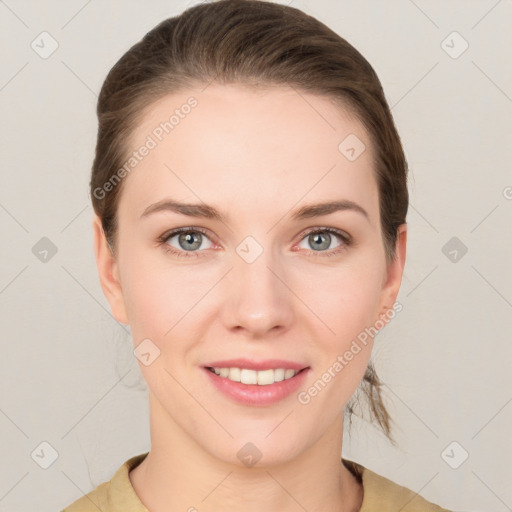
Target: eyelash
345,238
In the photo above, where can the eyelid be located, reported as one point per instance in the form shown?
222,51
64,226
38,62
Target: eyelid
322,229
176,231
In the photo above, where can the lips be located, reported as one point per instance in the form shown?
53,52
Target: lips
256,382
267,364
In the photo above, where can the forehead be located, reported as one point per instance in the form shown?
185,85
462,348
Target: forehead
241,147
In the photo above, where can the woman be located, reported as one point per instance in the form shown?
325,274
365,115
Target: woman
250,200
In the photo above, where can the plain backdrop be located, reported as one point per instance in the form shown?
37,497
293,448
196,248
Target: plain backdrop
71,395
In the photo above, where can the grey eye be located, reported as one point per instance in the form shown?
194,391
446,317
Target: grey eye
188,240
320,241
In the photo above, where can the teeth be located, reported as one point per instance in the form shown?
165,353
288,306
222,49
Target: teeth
289,373
248,376
261,378
265,377
279,374
234,374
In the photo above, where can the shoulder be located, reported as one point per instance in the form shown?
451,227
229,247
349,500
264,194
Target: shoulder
384,495
116,495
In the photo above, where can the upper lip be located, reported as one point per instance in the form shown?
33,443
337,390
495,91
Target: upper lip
267,364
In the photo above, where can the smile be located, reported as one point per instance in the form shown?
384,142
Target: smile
258,377
265,385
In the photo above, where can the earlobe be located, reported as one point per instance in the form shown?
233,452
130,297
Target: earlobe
108,273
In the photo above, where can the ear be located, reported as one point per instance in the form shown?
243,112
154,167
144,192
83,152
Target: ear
395,268
108,272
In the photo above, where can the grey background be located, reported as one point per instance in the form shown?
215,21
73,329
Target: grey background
68,374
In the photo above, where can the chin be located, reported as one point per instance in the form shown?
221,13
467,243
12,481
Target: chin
256,451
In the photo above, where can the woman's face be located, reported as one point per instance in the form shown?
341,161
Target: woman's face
250,281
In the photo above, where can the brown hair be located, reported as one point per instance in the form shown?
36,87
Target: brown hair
257,43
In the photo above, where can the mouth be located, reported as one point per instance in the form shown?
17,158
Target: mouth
255,377
256,383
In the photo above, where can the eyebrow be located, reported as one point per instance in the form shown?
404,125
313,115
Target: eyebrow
209,212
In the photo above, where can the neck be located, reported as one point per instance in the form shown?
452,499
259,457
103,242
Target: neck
178,474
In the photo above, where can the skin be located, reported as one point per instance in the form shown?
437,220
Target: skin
257,156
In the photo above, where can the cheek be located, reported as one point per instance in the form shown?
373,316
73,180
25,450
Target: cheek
348,304
159,295
347,299
148,294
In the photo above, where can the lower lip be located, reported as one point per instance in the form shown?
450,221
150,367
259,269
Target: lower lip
252,394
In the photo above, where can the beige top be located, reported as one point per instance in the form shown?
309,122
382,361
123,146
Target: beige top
380,494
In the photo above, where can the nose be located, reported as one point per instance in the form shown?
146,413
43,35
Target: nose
258,299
